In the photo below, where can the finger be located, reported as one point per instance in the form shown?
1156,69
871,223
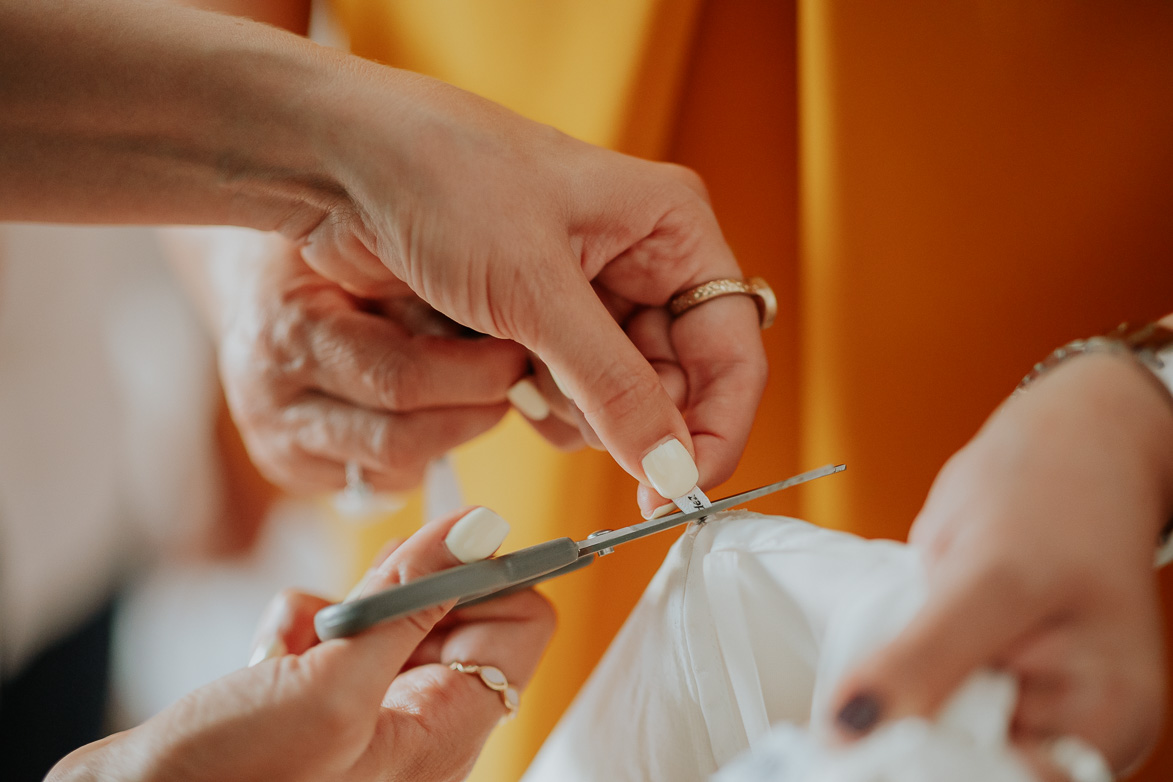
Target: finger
286,626
562,408
360,586
719,347
386,443
333,249
652,505
509,632
964,626
1047,662
559,434
374,362
537,398
528,400
1073,686
368,663
650,331
616,388
389,548
285,463
551,389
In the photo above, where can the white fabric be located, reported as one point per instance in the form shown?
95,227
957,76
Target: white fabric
107,392
750,623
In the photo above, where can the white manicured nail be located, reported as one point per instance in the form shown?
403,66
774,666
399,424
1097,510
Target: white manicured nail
660,512
670,469
477,535
266,651
526,397
558,382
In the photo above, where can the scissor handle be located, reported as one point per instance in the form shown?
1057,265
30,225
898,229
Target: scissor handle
464,583
582,562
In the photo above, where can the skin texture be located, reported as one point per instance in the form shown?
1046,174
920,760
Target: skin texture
380,706
132,112
1039,538
315,377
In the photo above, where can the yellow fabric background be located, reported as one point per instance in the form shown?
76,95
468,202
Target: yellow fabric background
940,194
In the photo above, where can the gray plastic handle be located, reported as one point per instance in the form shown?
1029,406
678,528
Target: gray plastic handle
464,583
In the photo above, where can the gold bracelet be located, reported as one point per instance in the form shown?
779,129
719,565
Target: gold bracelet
1151,347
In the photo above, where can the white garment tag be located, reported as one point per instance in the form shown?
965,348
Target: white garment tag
693,501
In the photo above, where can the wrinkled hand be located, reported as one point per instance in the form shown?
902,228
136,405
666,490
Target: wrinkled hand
315,376
518,231
1039,538
380,706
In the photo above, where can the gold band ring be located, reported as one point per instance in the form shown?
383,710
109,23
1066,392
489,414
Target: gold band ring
492,678
759,289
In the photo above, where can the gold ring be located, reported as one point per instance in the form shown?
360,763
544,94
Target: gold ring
759,289
495,680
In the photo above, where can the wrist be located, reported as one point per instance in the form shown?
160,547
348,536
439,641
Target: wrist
277,130
1125,415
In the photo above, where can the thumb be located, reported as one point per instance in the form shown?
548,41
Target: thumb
617,390
964,627
369,662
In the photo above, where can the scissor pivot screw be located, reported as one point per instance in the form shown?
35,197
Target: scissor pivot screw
603,551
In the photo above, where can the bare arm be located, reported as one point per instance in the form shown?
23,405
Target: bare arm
149,112
137,111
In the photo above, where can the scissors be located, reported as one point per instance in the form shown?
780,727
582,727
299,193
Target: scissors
521,569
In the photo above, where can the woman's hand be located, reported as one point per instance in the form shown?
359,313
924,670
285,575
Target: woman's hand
379,706
521,232
130,112
1039,538
316,377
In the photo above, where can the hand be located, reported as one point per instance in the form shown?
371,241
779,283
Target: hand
500,223
316,377
380,706
518,231
1039,538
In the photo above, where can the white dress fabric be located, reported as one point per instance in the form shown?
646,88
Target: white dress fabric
737,646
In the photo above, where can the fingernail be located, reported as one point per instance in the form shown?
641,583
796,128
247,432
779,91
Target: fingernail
670,469
267,651
558,382
477,535
526,397
859,715
660,512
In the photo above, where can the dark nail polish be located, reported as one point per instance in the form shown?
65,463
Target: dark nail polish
860,714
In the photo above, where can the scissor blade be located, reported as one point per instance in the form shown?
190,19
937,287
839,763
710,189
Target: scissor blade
636,531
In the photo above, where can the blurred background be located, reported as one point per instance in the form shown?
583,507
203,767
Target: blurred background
939,194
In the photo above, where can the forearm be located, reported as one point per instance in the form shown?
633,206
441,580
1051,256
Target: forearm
141,112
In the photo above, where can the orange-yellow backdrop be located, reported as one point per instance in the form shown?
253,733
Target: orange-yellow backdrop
939,192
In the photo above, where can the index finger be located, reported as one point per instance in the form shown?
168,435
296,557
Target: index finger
963,627
370,360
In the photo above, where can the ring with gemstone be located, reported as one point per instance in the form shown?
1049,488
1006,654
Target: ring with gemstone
495,680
